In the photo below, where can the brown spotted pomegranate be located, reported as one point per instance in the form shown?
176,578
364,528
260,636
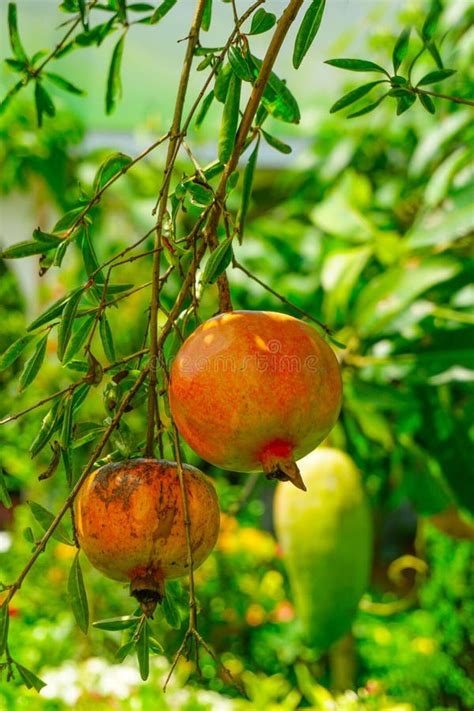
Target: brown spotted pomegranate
255,390
130,524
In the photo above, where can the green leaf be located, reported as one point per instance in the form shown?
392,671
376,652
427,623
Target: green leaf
222,82
14,351
77,595
353,96
401,48
207,16
433,50
125,650
247,189
155,646
405,102
114,83
276,143
44,103
239,64
277,98
431,22
112,624
4,621
110,167
54,310
261,22
356,65
28,535
16,64
34,363
85,432
15,42
30,679
67,321
308,30
171,611
63,83
107,338
27,249
367,109
434,77
91,263
46,237
162,10
69,219
230,120
45,518
83,13
199,194
218,262
48,426
427,103
5,498
204,108
66,429
143,652
78,337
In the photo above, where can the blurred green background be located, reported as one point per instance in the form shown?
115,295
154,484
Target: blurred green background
367,227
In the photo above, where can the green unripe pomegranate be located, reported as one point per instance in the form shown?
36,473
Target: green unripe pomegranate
326,538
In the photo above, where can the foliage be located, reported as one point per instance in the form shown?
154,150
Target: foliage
370,237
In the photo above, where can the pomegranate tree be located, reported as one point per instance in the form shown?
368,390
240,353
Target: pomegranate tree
130,523
255,390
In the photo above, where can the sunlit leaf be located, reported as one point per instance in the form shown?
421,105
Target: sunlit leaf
14,351
218,262
356,65
34,363
112,165
45,518
113,624
262,21
308,30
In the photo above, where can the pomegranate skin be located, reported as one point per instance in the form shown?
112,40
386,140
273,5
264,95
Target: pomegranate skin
255,390
130,524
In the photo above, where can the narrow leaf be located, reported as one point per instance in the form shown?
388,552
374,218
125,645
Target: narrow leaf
262,21
70,218
199,194
78,338
34,363
230,120
207,16
277,98
14,351
239,65
125,650
204,108
114,83
63,83
353,96
431,22
4,620
162,10
112,624
247,189
66,429
276,143
30,679
401,48
110,167
222,82
404,103
54,310
143,652
67,321
48,426
44,103
27,249
107,338
367,109
45,518
46,237
308,30
356,65
77,595
5,498
427,103
436,76
218,262
170,611
15,42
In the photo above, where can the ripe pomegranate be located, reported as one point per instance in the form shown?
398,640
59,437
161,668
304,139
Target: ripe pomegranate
255,390
326,537
130,524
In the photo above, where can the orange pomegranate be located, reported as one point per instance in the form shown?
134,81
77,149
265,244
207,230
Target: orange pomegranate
255,390
130,524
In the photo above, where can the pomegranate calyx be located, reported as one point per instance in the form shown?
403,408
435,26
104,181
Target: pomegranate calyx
149,591
284,470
